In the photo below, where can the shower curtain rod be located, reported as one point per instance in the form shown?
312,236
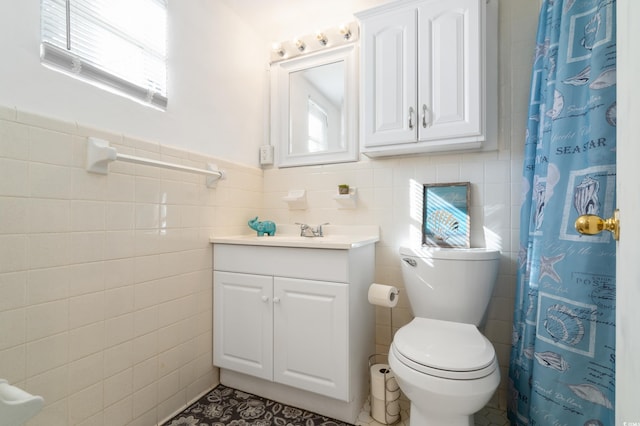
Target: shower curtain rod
100,154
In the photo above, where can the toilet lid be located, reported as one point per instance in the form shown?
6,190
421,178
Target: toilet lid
443,347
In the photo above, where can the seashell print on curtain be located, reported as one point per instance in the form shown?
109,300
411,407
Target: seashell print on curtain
562,366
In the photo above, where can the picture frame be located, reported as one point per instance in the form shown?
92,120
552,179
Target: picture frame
445,215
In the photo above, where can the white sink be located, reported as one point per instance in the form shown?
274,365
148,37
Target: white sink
335,237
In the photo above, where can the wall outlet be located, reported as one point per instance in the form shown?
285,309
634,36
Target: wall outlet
266,154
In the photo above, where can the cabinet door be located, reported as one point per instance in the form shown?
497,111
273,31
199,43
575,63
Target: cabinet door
310,336
242,323
450,71
389,91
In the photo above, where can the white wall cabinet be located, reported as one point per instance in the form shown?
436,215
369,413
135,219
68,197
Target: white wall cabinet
429,77
295,324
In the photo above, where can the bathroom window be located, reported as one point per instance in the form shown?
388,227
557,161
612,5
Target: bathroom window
118,45
318,127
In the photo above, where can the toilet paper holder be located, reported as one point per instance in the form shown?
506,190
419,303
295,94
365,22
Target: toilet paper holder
389,412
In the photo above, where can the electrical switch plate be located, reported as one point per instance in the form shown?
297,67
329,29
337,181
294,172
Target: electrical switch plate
266,154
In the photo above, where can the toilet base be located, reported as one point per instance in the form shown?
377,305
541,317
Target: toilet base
416,418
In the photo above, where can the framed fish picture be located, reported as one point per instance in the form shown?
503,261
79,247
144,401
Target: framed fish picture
445,217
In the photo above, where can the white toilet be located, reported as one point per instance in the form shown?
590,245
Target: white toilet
443,364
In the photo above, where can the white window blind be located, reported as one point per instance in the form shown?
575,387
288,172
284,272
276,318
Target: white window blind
119,45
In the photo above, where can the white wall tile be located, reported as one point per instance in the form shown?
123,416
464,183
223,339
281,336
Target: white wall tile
145,400
55,414
85,372
145,347
13,364
86,403
45,215
52,385
119,329
87,278
46,319
87,186
48,284
165,407
13,215
118,301
120,187
47,353
86,309
15,177
119,244
87,340
119,273
13,290
88,215
120,216
118,386
86,247
49,181
146,418
120,413
14,140
13,253
51,147
145,321
48,250
147,190
145,373
118,358
13,330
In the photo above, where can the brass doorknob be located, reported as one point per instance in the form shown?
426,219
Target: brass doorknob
590,224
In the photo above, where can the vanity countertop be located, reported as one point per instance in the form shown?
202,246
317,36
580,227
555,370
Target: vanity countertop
336,237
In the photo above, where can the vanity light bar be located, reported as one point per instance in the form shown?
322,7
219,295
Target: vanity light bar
332,37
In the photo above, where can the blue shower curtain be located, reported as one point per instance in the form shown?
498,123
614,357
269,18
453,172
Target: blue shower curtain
562,367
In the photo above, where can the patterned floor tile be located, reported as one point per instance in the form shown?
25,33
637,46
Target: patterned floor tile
226,406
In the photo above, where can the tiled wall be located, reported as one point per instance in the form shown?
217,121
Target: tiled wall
389,191
105,281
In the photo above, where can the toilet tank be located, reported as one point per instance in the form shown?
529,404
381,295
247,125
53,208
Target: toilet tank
449,284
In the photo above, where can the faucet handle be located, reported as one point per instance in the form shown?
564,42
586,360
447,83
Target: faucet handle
320,234
303,228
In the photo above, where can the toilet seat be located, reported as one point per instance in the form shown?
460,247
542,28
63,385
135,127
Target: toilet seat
444,349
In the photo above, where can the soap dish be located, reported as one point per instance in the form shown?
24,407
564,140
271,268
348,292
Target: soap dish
297,199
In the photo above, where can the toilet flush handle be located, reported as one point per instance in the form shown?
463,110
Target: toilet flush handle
410,262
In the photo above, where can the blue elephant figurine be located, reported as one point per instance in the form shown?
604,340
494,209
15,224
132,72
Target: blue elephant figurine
266,227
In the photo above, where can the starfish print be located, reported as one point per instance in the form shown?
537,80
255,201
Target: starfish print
546,267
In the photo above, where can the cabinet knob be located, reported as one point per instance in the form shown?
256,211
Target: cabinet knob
265,298
276,300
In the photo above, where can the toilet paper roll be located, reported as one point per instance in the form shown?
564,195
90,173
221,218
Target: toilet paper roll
383,295
383,379
385,414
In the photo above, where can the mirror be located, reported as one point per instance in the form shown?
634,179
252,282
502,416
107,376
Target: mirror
314,108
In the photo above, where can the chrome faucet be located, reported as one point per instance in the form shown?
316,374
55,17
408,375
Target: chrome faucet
309,231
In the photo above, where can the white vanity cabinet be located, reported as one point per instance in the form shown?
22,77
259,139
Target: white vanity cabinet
288,330
294,323
429,77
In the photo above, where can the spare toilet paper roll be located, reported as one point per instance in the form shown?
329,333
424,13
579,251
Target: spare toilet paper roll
383,381
385,414
383,295
382,378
